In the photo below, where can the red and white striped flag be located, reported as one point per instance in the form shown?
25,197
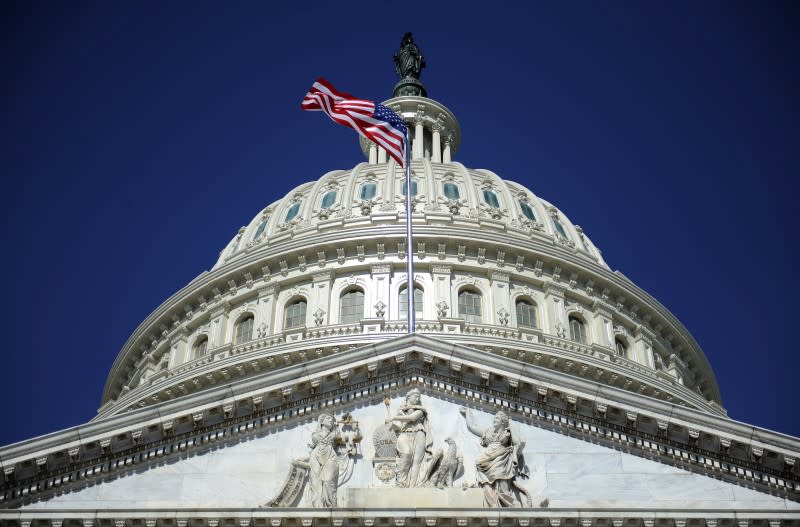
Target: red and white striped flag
374,121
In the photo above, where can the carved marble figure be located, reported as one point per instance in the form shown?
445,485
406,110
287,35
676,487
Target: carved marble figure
413,441
330,462
445,466
499,465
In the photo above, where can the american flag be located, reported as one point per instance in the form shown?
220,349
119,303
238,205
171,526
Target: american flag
374,121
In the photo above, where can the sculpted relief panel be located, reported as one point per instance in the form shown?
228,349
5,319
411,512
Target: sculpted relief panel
419,449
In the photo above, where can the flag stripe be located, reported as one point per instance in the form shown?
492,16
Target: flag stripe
373,121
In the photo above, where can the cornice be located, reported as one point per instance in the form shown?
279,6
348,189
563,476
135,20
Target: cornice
402,517
231,363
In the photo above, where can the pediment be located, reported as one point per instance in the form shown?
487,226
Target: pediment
566,471
233,445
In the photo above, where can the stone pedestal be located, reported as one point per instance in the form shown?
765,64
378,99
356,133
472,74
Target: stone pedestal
417,497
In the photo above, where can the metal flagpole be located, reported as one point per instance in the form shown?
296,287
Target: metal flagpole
409,238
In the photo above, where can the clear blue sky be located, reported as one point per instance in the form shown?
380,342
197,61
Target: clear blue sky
137,137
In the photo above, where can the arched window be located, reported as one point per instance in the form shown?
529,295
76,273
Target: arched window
292,212
621,347
526,314
577,331
469,305
491,199
328,199
367,191
451,190
404,302
351,306
413,187
527,210
560,229
200,347
295,314
261,227
244,329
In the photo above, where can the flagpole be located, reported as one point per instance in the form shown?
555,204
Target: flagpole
409,248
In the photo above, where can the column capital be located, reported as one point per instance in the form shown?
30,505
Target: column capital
382,268
326,276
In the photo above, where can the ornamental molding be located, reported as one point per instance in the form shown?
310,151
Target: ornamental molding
400,517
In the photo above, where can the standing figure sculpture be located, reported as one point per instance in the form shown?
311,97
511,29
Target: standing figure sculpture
413,442
409,61
327,467
324,463
498,466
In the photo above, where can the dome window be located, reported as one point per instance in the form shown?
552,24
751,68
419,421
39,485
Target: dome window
351,306
404,303
413,188
560,229
577,331
244,329
469,305
295,314
451,191
491,199
200,347
621,347
527,210
261,227
328,199
526,314
367,191
292,212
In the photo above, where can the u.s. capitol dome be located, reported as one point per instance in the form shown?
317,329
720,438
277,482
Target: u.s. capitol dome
496,268
244,398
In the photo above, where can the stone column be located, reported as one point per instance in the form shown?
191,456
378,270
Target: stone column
643,346
603,324
381,155
373,153
437,147
419,141
265,310
442,291
380,274
499,301
447,142
555,311
321,297
218,325
178,350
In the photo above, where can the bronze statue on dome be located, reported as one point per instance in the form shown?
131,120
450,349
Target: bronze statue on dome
408,64
409,60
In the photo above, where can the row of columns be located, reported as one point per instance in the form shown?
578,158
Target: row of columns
439,286
377,155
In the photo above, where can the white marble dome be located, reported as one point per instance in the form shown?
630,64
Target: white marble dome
447,195
323,270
